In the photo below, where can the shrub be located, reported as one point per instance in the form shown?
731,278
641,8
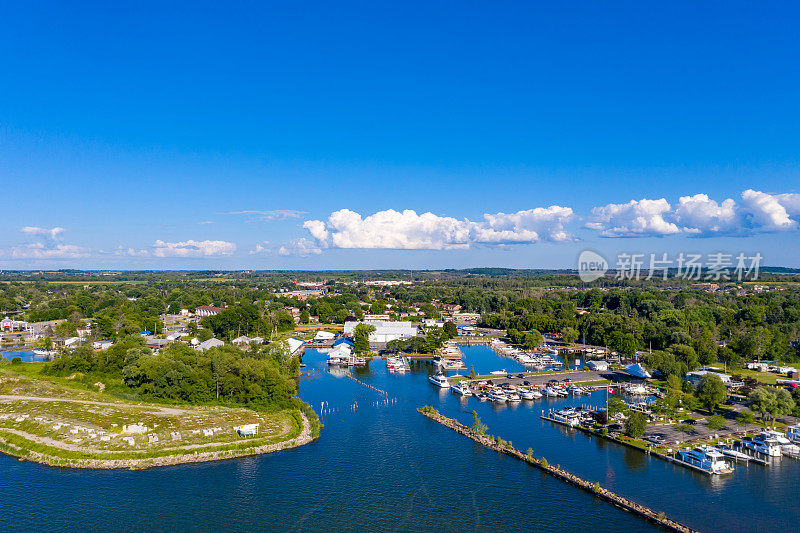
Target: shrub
16,360
716,422
746,417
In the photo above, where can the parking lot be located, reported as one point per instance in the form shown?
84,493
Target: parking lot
576,377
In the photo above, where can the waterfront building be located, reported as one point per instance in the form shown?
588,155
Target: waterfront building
207,310
385,330
598,366
696,376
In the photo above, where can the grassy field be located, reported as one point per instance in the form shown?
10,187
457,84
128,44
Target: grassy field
770,378
68,422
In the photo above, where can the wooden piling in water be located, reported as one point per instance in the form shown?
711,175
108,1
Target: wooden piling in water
593,488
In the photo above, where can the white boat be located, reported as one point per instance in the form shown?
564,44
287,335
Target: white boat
525,359
461,388
733,454
536,394
568,417
440,380
527,394
763,444
636,390
707,459
777,435
513,397
498,372
550,392
498,397
786,444
793,434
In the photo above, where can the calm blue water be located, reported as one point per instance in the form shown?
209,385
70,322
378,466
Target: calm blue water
26,356
387,468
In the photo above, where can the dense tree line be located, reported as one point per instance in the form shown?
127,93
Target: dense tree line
261,377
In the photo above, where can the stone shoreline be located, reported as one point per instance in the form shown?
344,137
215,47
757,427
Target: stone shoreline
152,462
593,488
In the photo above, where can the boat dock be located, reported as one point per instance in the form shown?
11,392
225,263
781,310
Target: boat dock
752,455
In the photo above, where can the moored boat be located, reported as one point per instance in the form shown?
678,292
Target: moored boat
440,380
707,459
461,388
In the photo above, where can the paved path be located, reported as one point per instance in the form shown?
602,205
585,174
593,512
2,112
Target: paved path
157,409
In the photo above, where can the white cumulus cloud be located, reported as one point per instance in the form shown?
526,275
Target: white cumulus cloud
791,202
52,233
302,247
38,250
192,248
636,218
408,230
699,214
766,212
261,248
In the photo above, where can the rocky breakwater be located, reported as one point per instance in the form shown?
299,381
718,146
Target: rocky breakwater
501,446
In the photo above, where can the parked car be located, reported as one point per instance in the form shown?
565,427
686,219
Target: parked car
567,380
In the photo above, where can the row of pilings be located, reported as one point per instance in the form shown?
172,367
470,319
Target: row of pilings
593,488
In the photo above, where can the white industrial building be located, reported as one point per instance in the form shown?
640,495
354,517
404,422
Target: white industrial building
385,331
598,366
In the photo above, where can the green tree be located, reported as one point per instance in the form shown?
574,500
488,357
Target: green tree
711,392
361,337
635,424
674,382
665,405
784,404
615,405
451,329
532,339
472,372
623,343
569,334
478,426
304,316
772,402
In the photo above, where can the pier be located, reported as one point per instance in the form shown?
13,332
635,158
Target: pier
592,488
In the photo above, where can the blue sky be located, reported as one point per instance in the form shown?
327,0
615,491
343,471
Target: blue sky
281,136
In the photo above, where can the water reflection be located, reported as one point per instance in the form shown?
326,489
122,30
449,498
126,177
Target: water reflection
634,459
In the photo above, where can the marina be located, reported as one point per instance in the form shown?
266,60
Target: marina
371,425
